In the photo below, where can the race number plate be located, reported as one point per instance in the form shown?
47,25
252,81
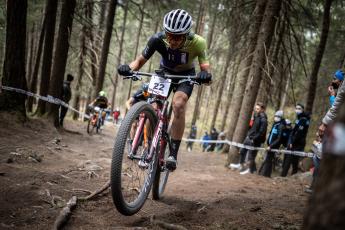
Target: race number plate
159,86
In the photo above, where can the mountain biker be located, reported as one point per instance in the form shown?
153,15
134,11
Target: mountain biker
102,102
140,95
178,47
297,140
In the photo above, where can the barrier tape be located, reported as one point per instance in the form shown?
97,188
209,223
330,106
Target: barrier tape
239,145
48,98
58,101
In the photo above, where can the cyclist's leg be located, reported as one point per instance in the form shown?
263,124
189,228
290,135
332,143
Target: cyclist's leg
179,103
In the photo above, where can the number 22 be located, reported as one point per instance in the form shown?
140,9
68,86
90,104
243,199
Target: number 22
158,86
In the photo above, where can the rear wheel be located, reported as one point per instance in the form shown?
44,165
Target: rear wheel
90,127
132,173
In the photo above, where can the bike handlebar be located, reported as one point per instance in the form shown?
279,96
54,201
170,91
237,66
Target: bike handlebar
136,75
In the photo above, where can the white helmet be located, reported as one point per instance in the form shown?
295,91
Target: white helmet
279,113
177,22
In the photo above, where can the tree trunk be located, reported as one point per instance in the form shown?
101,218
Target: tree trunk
137,44
241,80
230,91
83,50
326,206
210,34
50,21
92,45
155,31
258,63
119,56
30,59
105,47
34,79
318,56
221,87
268,80
199,30
14,63
60,57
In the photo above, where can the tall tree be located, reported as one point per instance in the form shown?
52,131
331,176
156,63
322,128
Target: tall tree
255,73
14,63
141,22
50,19
239,87
326,206
119,56
81,66
60,57
318,56
31,55
221,87
199,30
105,46
34,78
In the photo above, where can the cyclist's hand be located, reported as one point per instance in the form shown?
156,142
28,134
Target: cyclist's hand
204,77
124,70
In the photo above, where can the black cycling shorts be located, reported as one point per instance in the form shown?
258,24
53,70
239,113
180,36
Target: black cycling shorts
185,87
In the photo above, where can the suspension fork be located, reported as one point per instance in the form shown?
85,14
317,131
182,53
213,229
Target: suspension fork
142,120
160,131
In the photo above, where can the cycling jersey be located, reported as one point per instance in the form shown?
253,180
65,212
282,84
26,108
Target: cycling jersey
101,102
179,60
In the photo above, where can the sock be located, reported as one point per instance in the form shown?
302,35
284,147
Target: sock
175,145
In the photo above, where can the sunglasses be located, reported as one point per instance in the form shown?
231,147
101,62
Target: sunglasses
175,37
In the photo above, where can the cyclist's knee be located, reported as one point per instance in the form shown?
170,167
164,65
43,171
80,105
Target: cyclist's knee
179,107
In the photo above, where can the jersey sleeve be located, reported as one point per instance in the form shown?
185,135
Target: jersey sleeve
150,47
202,54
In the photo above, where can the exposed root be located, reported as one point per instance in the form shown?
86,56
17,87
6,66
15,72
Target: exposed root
165,225
95,193
65,213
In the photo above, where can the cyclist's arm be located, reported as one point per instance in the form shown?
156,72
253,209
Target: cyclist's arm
138,63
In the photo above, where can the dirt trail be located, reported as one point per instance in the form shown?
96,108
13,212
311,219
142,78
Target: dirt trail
40,167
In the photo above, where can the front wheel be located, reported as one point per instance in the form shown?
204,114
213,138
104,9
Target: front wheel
132,170
161,178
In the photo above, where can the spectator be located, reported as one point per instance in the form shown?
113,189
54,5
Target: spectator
334,110
205,145
286,133
192,135
338,79
116,115
274,141
214,137
336,101
66,97
297,140
255,137
221,137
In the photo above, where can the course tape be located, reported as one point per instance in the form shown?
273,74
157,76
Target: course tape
239,145
48,98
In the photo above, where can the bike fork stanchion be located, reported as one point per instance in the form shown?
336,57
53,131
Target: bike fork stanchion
135,143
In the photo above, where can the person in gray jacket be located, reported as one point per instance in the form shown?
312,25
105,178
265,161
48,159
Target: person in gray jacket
332,113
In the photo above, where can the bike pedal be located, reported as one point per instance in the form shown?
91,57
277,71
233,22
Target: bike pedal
142,164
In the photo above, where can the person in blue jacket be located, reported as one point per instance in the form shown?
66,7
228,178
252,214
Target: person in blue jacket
297,140
338,79
205,145
274,141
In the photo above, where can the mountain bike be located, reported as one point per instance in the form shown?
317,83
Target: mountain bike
95,121
142,145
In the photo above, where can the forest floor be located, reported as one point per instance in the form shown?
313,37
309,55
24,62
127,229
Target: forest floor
41,168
